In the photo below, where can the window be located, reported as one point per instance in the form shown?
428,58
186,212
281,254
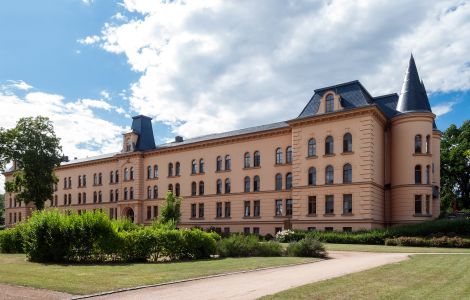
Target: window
329,175
329,147
247,208
155,211
70,182
226,229
155,192
177,190
155,171
347,229
347,142
278,207
219,186
256,184
277,229
227,210
288,207
100,179
201,210
347,173
111,196
289,155
329,103
228,163
170,169
193,210
428,175
84,198
170,188
312,228
278,156
95,197
256,159
201,188
131,193
125,193
100,197
312,176
193,166
312,147
246,186
149,212
149,192
116,196
289,181
193,188
79,198
246,230
328,228
116,178
278,182
227,186
218,210
418,205
256,230
418,174
201,166
428,204
312,205
247,160
111,178
256,208
418,143
149,172
218,165
428,144
128,145
329,204
126,174
84,179
177,169
131,173
95,179
347,204
80,179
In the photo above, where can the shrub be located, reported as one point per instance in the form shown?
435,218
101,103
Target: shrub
449,242
288,235
268,249
374,237
308,247
238,245
11,240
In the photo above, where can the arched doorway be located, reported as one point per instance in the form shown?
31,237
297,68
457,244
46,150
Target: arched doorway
129,214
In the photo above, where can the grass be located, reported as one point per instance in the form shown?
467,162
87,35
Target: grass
420,277
86,279
382,248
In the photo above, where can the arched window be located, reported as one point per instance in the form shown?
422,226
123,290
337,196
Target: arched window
219,186
131,193
227,186
131,173
80,179
177,190
347,142
278,182
84,198
289,181
111,178
201,188
312,176
149,172
247,160
329,148
100,197
257,159
79,198
329,103
193,188
418,143
218,166
155,171
155,192
116,177
170,169
418,174
149,192
95,197
201,166
100,179
329,175
247,183
428,174
95,179
256,184
193,166
170,188
177,169
289,155
312,147
347,173
116,196
128,145
111,196
228,163
428,144
125,194
279,156
126,174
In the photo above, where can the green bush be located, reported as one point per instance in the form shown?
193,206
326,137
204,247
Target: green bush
11,240
373,237
289,235
238,245
445,241
308,247
268,249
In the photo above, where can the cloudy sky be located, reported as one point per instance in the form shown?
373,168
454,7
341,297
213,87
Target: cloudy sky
199,67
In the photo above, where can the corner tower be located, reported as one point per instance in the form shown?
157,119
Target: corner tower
415,144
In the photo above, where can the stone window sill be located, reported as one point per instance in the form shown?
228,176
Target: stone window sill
311,157
347,153
329,155
311,215
329,215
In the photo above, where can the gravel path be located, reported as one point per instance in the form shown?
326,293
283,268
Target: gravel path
10,292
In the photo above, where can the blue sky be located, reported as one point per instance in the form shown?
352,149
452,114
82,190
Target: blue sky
210,66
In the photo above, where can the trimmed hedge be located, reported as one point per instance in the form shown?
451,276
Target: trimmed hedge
445,242
11,240
239,245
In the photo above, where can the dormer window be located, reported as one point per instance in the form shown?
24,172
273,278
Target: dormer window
329,103
129,145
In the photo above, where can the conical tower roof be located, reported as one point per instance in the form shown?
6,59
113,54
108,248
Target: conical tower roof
413,95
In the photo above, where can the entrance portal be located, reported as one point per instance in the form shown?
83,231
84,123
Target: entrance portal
129,214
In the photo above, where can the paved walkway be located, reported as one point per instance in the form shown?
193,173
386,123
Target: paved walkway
255,284
14,292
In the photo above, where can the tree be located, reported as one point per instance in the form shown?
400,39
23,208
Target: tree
171,212
33,146
2,209
455,167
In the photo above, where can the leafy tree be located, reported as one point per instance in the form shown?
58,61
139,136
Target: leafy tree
34,147
171,212
455,167
2,209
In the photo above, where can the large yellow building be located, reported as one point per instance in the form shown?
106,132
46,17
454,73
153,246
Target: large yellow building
349,161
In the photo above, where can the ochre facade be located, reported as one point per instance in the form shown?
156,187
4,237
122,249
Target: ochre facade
368,178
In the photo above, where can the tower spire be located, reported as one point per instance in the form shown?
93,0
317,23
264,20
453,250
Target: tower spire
413,95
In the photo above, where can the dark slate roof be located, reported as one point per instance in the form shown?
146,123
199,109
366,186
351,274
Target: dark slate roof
353,94
413,95
86,159
142,125
387,104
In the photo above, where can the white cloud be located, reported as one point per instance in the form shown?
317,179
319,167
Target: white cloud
218,65
19,84
89,40
81,131
443,108
105,94
87,2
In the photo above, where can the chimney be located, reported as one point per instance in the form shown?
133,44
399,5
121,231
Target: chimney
178,139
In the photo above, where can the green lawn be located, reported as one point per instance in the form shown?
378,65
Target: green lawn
86,279
420,277
382,248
